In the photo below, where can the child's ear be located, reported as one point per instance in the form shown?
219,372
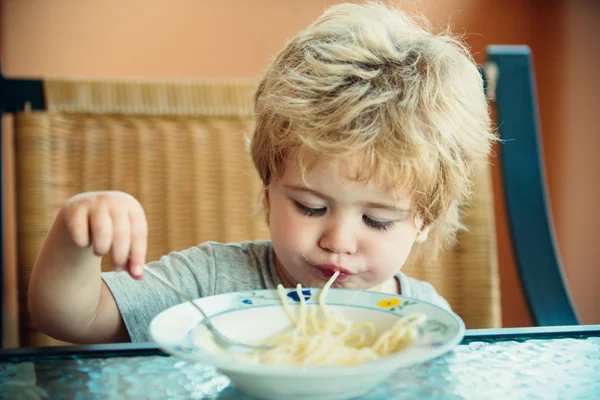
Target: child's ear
265,199
423,234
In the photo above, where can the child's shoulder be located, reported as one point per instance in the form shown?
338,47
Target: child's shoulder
237,250
421,290
208,259
255,256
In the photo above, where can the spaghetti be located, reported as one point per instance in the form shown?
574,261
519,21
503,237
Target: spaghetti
329,338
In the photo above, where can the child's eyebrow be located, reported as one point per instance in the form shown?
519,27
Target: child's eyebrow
367,204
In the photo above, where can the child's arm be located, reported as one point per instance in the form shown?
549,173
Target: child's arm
68,299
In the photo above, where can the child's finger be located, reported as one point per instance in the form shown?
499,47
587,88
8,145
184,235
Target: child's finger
121,238
101,229
76,220
139,243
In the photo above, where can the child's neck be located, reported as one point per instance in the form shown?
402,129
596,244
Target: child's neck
286,279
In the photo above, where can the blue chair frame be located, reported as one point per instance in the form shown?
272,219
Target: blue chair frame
525,188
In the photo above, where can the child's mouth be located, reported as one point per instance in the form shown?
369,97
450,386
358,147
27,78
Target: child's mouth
327,272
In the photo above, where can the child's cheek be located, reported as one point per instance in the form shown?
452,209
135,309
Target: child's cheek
295,232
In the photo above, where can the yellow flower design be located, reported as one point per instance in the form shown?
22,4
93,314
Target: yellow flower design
388,303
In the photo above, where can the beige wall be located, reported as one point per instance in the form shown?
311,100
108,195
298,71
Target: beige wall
196,38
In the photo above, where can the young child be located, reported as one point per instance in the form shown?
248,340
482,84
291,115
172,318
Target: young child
369,129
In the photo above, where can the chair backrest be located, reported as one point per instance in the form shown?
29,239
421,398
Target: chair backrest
188,165
525,189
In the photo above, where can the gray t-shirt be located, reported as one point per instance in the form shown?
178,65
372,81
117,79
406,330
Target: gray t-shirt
209,269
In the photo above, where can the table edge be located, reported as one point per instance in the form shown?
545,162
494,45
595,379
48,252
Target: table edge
150,348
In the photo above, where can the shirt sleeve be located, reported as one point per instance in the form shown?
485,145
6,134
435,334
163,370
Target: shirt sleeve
192,271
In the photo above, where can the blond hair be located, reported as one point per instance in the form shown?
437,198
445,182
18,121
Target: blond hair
372,81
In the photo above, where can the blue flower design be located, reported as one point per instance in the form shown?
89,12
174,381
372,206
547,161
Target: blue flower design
247,301
294,295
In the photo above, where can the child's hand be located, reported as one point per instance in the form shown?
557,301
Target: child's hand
109,221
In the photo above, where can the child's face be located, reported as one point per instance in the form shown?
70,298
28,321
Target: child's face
337,224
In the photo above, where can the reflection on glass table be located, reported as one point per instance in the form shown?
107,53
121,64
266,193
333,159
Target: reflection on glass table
527,363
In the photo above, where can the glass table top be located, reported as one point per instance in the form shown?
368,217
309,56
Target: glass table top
489,366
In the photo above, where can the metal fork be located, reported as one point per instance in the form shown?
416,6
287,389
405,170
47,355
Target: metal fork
220,338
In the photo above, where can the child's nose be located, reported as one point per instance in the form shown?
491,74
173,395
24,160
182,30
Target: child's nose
338,239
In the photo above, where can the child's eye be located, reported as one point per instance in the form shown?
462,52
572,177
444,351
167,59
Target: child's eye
377,224
308,211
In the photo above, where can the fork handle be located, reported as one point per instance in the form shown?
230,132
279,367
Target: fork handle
173,288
